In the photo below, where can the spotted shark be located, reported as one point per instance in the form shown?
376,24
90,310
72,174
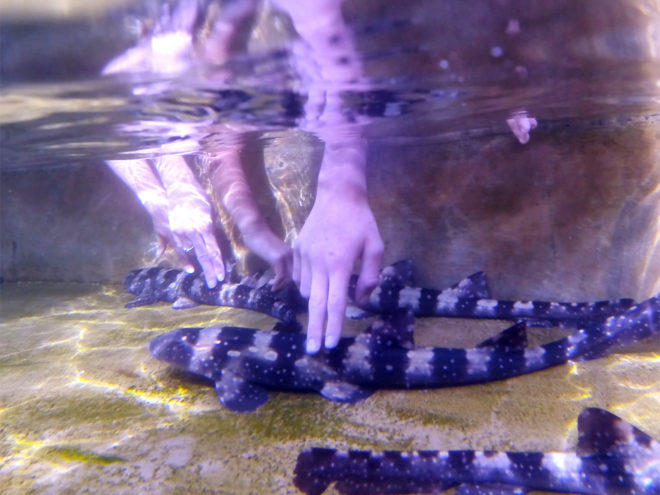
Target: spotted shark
244,364
469,298
184,290
612,457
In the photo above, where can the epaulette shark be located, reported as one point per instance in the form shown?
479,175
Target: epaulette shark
612,458
245,364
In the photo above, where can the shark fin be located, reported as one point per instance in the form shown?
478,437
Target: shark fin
183,302
141,300
601,432
474,286
341,391
395,328
238,394
490,489
512,338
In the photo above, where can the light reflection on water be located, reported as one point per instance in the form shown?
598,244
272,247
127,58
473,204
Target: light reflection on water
429,75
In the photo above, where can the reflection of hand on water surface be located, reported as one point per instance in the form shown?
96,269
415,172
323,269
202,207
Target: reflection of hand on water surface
190,221
231,185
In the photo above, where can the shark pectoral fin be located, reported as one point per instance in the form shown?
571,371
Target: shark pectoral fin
474,286
238,394
490,489
512,338
395,329
601,432
141,300
344,392
183,303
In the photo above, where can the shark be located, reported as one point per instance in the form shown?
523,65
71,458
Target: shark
246,364
612,457
469,298
185,290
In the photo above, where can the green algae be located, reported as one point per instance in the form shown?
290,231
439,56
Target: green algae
50,411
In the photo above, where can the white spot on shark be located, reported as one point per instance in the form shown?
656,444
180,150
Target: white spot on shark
419,361
524,306
446,302
358,357
493,460
534,357
261,346
560,464
486,306
409,297
477,360
203,348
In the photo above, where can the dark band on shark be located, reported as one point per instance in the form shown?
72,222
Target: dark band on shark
612,457
151,285
246,363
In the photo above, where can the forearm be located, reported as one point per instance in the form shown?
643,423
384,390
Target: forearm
231,186
141,179
177,178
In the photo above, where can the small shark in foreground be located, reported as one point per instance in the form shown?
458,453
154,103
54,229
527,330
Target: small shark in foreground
612,458
245,363
469,298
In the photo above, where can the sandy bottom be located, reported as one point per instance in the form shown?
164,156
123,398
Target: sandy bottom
85,408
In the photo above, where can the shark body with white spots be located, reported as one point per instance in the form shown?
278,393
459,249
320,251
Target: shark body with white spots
612,458
184,290
245,364
471,298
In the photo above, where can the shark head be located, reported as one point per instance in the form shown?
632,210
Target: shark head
135,281
204,351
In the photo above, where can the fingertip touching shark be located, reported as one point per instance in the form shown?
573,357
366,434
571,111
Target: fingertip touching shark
612,458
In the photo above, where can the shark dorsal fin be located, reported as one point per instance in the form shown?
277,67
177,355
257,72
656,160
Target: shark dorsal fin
474,286
601,432
512,338
394,329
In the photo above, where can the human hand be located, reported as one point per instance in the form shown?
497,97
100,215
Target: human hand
232,187
340,230
189,218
